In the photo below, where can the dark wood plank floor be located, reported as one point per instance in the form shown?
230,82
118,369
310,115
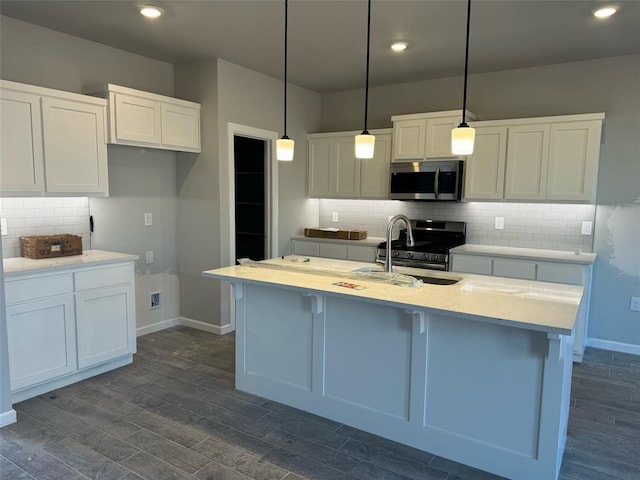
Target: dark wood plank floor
174,415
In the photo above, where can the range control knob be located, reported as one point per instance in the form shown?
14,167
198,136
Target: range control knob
434,258
425,256
394,253
409,254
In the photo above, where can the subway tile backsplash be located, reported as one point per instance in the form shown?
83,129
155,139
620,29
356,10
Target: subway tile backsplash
43,216
529,225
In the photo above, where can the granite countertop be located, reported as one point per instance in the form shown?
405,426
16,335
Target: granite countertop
540,306
21,265
369,241
526,253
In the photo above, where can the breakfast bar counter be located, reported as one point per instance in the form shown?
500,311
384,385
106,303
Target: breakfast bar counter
478,371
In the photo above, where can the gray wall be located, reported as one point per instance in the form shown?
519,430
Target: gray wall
230,93
607,85
5,388
140,180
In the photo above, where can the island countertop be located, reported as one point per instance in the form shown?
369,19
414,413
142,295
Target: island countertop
531,305
21,265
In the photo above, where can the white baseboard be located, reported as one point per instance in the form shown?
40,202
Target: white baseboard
207,327
7,418
614,346
155,327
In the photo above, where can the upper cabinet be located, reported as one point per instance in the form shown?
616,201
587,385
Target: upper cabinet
145,119
537,159
424,136
335,172
53,142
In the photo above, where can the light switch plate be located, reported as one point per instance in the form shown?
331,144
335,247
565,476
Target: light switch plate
587,228
149,256
499,223
3,226
634,305
148,219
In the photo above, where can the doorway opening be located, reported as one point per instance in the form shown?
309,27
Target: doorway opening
251,215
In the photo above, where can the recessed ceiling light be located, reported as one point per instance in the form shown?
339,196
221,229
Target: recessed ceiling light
605,12
150,11
399,46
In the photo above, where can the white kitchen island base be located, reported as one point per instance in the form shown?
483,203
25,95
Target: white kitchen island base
488,394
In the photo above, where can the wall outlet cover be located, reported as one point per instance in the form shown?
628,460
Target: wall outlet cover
149,257
634,305
3,226
148,219
334,217
499,223
587,228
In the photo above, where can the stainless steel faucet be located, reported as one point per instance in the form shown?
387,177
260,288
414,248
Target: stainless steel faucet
388,267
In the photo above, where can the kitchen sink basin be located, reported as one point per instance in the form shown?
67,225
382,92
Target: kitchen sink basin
437,280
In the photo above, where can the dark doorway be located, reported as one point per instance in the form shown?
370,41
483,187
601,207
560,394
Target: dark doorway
251,214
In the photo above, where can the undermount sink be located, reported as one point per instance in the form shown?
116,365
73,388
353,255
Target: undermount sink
425,279
436,280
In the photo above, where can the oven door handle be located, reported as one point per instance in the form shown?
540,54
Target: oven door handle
436,183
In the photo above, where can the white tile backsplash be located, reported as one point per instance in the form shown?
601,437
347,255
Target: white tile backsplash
529,225
43,216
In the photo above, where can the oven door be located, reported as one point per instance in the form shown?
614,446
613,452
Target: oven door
426,181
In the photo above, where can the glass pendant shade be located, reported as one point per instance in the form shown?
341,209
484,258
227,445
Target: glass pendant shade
365,144
462,140
284,149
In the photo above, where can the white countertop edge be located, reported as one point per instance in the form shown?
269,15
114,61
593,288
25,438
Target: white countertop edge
301,282
565,256
16,266
369,241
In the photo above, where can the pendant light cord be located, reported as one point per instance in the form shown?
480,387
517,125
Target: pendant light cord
466,66
366,88
286,29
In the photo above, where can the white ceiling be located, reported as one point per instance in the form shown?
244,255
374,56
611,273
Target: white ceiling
327,38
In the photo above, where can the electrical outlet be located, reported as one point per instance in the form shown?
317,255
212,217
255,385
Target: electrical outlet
499,223
3,226
148,219
149,256
155,300
634,305
334,217
587,227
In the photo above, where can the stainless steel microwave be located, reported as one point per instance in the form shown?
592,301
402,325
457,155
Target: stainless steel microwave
434,181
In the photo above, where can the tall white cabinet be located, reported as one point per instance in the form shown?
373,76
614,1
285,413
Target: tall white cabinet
53,142
335,172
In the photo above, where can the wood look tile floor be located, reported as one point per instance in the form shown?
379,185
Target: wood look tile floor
174,415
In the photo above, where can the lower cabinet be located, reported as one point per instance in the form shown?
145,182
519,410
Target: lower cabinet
342,251
534,269
68,326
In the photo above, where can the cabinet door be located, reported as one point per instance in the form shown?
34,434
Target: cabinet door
527,162
361,253
180,128
408,139
471,264
333,250
105,321
574,150
374,172
438,136
303,247
484,177
524,269
75,150
319,168
42,340
21,157
345,168
137,120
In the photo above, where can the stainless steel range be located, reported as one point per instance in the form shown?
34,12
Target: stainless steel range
433,239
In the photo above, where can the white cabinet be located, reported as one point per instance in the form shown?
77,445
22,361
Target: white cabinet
536,159
335,172
68,326
535,269
425,135
144,119
52,142
333,249
484,169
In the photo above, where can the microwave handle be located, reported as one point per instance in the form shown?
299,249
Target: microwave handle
436,185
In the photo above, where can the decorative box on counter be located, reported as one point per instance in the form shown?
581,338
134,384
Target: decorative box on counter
50,246
335,233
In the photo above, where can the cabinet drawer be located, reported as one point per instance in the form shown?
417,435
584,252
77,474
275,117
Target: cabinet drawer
560,273
361,253
514,269
331,250
306,248
104,277
23,290
471,264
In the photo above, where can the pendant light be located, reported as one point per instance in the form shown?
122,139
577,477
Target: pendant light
284,145
365,142
463,137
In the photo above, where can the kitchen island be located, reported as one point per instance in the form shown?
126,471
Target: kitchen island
478,371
